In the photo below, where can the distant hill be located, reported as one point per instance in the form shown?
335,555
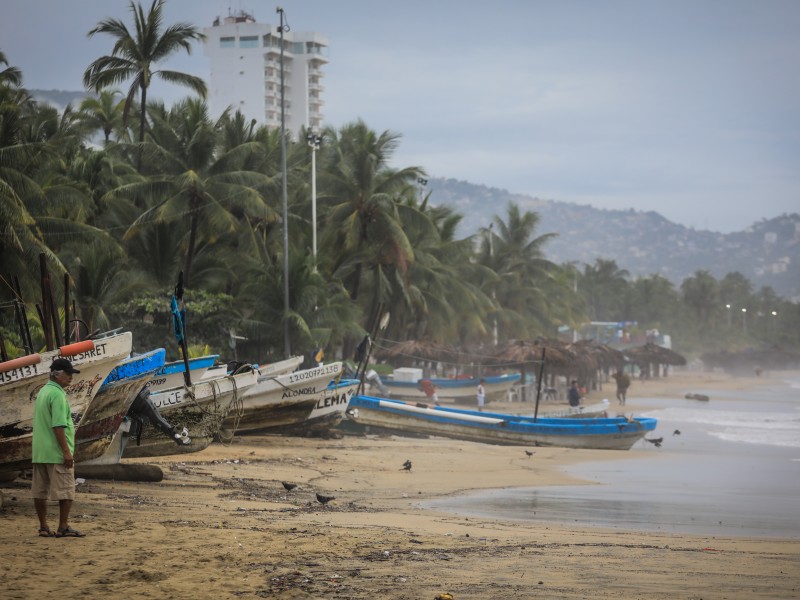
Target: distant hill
644,243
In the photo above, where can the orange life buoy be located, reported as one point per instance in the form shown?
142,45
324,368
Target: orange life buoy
76,348
22,361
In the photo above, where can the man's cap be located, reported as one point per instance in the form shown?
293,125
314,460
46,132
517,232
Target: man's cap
62,364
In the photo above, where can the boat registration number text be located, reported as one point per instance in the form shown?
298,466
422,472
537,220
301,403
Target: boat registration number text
19,373
312,373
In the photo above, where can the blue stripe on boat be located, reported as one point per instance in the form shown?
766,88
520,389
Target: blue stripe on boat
136,366
202,362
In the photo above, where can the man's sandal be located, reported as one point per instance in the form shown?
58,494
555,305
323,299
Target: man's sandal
69,532
46,532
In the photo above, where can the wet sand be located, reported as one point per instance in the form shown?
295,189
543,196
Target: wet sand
221,525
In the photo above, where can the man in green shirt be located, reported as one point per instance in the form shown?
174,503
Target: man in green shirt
53,445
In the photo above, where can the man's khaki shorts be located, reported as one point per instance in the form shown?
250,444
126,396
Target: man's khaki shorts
52,482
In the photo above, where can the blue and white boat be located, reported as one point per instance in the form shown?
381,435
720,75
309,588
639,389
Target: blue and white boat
618,433
112,403
451,389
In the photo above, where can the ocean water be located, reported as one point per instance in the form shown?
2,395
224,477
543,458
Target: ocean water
733,470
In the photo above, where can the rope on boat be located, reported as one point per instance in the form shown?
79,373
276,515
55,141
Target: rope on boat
237,407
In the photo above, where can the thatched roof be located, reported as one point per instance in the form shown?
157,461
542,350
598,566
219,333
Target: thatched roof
528,353
654,354
415,350
603,355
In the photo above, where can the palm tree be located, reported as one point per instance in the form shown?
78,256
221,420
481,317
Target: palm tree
189,180
604,285
10,75
524,276
103,113
653,301
441,298
136,54
701,295
361,194
101,279
21,237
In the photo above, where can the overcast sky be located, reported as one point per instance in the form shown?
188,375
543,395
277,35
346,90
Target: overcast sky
690,108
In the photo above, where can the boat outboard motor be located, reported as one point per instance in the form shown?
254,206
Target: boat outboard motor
374,380
143,410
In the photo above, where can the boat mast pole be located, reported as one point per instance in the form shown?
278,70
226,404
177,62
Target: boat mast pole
287,349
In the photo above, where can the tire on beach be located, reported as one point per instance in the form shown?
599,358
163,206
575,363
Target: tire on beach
120,472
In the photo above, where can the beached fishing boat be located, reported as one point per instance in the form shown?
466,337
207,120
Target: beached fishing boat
328,411
282,401
405,383
588,411
170,375
200,409
497,428
105,415
272,369
22,378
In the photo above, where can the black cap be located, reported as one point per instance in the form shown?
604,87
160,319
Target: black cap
62,364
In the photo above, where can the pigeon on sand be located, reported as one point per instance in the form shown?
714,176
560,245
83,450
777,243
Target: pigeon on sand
324,499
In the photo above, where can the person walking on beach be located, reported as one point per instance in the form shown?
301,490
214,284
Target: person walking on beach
623,383
481,394
574,394
53,444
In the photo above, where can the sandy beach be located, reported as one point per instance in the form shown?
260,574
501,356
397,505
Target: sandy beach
221,525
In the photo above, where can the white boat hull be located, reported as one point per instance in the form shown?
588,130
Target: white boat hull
201,410
281,401
457,390
95,421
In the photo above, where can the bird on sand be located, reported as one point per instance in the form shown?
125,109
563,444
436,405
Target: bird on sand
656,442
528,452
406,466
324,499
676,432
288,486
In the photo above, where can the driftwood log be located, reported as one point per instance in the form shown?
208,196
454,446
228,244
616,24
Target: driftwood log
120,472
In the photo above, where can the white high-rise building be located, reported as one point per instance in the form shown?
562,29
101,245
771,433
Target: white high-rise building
246,72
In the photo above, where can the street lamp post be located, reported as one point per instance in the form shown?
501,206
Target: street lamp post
728,311
287,347
744,320
314,142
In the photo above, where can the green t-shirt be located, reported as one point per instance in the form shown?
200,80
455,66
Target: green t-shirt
51,409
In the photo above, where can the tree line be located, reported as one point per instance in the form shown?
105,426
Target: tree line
123,193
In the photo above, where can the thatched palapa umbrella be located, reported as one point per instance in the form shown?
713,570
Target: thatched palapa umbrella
415,350
527,355
653,354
